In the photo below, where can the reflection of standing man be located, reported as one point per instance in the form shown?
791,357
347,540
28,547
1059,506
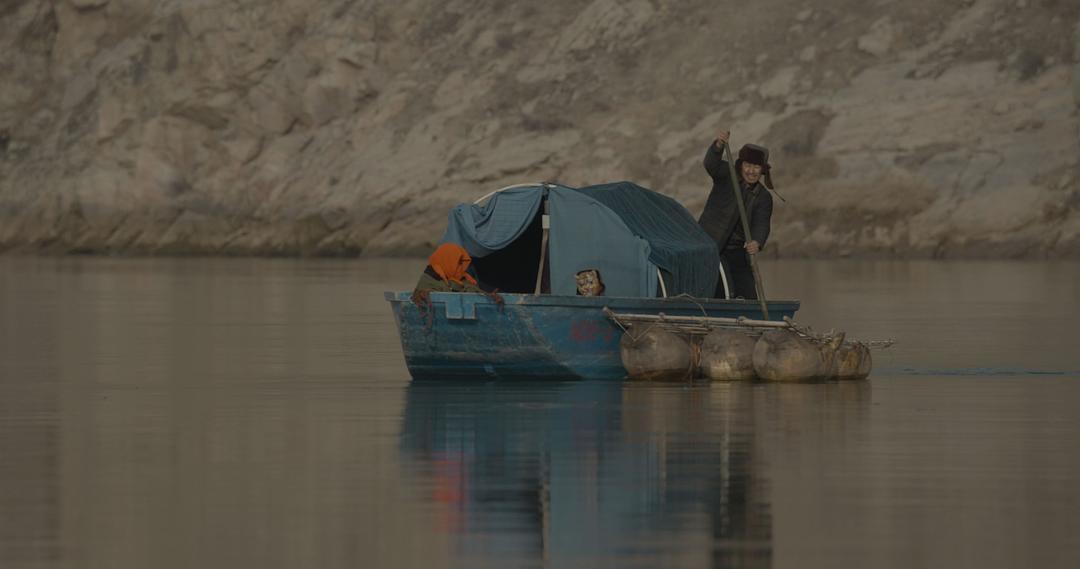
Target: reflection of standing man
720,219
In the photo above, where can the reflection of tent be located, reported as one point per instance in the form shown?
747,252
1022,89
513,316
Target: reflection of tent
632,235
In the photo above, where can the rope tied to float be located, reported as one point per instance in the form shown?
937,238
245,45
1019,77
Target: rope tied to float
693,299
633,337
808,333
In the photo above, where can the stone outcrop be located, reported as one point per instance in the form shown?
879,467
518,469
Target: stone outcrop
909,129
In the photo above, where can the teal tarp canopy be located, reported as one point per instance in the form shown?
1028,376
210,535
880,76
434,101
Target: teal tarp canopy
484,229
586,234
678,245
623,230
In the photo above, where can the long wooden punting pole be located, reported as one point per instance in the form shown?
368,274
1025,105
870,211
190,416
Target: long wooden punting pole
735,187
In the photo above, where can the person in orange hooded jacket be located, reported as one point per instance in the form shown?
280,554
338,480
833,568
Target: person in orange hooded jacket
447,271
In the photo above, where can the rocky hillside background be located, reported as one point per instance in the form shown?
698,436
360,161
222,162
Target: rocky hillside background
334,127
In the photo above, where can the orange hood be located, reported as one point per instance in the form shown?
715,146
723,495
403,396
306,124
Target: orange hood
450,262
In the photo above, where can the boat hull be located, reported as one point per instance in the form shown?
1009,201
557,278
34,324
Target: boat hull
535,336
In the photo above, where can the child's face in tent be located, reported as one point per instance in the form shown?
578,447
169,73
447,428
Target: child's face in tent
588,283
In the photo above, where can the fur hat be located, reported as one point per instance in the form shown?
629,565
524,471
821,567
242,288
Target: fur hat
754,154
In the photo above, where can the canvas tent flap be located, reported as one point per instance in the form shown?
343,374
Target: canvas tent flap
484,229
678,244
586,234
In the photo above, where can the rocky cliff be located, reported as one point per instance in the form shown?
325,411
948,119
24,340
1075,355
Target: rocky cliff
340,127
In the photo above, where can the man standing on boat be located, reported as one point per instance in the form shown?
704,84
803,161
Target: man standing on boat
720,219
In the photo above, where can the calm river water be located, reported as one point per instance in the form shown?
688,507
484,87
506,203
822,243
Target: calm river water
181,413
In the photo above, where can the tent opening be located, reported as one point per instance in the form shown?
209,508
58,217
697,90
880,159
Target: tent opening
513,268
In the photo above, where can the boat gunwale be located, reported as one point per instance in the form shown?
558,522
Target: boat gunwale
677,302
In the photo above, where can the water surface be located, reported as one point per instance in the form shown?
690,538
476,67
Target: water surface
231,413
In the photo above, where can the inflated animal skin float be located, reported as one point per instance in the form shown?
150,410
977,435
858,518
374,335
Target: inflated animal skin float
727,355
674,348
655,354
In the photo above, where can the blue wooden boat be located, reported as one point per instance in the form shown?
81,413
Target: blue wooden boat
529,240
536,336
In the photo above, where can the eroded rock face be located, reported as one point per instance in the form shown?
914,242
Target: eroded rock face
343,128
727,355
1076,66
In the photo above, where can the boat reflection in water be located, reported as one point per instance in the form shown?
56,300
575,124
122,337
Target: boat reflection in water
579,473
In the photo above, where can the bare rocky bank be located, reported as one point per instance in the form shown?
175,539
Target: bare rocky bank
302,127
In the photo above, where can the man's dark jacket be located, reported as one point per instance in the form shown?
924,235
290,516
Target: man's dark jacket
720,218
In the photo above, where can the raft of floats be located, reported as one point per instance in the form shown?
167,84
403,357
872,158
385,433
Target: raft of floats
662,347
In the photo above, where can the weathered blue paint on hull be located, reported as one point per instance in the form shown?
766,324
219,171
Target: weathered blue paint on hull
535,337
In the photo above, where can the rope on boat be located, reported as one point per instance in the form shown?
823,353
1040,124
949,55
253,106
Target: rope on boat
702,325
422,300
